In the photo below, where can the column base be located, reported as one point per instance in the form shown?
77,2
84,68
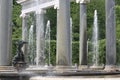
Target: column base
7,68
110,68
97,67
83,67
65,68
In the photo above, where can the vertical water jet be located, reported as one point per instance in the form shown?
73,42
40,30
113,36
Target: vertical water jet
95,40
47,40
31,46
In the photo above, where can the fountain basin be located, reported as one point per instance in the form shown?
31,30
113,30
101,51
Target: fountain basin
46,73
73,78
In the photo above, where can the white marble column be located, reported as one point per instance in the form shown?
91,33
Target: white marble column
5,31
110,33
63,56
40,40
83,34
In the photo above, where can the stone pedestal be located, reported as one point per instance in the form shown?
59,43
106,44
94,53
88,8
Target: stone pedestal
111,68
63,55
5,31
83,67
94,67
83,35
110,33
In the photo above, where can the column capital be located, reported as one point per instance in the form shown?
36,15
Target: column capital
23,15
56,6
40,11
82,1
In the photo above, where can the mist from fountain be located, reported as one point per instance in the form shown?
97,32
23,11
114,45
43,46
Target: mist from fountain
95,48
31,46
47,41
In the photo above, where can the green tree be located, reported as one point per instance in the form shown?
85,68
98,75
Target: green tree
98,5
16,20
117,2
118,22
51,14
75,19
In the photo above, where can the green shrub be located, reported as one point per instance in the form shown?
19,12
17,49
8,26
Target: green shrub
75,51
52,53
118,52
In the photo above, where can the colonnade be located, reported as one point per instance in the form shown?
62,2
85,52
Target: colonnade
63,54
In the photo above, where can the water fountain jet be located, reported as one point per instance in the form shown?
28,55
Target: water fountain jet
95,44
31,46
47,40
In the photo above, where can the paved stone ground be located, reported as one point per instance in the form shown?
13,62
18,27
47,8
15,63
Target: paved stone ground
73,78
